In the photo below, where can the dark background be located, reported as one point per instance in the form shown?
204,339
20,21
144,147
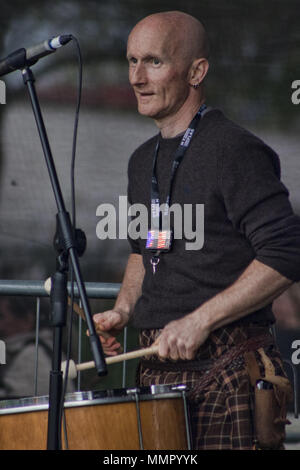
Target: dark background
254,60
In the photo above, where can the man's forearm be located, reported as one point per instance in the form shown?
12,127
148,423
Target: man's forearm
257,287
131,286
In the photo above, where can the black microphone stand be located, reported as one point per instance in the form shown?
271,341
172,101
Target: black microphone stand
67,249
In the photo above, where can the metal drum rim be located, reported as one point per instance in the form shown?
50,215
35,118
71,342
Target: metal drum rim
95,397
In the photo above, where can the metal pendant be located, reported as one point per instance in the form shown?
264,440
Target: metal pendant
154,261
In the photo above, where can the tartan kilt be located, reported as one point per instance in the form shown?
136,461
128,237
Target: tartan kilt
222,416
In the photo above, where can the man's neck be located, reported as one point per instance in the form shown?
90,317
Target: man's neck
171,126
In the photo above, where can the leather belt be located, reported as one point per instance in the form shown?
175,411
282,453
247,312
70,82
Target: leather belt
178,365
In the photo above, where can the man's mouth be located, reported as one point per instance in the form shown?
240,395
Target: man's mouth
145,94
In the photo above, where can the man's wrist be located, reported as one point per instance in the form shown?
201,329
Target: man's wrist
124,311
202,319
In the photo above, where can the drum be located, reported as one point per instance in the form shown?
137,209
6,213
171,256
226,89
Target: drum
150,418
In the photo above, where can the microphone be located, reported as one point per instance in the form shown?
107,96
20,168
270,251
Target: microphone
25,57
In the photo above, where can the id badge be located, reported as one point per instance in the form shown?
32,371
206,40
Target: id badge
159,240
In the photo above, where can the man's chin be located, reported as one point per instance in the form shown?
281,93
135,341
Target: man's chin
147,111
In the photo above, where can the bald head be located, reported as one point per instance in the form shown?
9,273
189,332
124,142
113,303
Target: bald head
180,33
167,55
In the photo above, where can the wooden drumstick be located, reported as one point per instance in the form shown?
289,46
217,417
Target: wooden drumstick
74,368
77,309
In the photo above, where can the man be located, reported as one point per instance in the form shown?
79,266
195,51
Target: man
209,310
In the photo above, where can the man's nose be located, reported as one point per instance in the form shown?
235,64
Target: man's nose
137,75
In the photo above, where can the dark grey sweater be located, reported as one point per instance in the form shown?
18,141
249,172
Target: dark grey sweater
247,215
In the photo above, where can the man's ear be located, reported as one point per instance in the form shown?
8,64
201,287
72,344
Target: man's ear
198,71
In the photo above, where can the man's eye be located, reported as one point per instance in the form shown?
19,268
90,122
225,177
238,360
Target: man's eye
155,61
133,61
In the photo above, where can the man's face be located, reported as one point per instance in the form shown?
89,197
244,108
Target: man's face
157,72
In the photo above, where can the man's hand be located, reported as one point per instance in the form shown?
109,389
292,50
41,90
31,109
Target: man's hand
112,322
181,338
257,286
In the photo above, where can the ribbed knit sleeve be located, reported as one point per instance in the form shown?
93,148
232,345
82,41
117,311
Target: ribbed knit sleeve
257,202
134,244
132,182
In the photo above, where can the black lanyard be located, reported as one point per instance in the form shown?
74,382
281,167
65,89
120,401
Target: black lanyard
160,220
179,154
